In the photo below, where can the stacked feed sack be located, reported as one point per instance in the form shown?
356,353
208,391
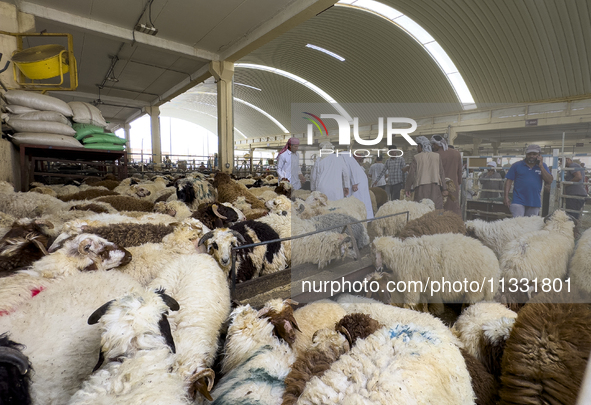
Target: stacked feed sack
94,137
39,119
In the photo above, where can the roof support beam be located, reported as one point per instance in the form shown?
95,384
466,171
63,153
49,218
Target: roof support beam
113,31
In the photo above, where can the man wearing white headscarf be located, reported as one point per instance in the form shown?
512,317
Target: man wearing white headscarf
358,183
426,175
491,180
288,164
330,174
451,160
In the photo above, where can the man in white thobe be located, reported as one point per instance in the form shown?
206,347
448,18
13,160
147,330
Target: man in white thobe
359,183
288,164
330,175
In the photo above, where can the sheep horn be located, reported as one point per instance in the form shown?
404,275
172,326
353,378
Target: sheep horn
238,236
39,245
44,222
169,301
346,333
214,207
96,315
263,312
205,237
199,384
291,302
16,358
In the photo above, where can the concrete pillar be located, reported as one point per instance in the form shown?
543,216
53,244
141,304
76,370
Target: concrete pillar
453,134
155,127
477,142
223,72
495,146
127,132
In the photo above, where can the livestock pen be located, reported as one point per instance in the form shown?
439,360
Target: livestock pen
290,282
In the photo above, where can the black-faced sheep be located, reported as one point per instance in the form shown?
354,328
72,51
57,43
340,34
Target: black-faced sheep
137,350
15,373
433,223
194,191
546,354
216,215
250,262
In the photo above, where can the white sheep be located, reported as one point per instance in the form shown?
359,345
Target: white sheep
580,264
392,225
256,361
137,350
540,254
150,258
201,289
391,365
317,204
29,205
84,252
433,258
497,233
176,209
313,317
53,326
321,249
483,329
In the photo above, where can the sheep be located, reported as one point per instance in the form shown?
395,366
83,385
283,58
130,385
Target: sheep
229,191
125,184
539,254
150,258
432,223
124,203
483,329
43,190
374,204
267,195
546,354
484,384
29,205
280,205
284,188
318,204
313,317
301,194
241,204
452,257
84,252
381,196
497,233
53,328
216,215
392,225
328,346
108,184
6,222
326,221
199,285
15,376
321,249
580,264
176,209
22,245
251,262
195,191
88,194
258,355
137,348
391,366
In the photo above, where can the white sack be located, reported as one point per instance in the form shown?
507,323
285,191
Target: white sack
38,101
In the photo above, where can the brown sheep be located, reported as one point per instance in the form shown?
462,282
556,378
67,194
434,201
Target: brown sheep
96,208
87,195
164,196
124,203
546,354
129,234
327,349
381,196
432,223
484,384
229,191
109,184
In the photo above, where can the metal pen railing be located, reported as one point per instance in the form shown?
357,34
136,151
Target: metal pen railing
347,226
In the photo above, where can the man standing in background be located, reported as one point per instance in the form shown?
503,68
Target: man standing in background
330,174
577,176
426,176
395,180
491,180
374,171
288,164
359,185
527,176
451,160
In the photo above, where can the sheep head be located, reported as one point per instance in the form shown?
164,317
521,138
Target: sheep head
357,326
14,373
190,229
185,191
219,244
94,253
240,215
140,191
317,199
134,322
280,205
560,222
280,314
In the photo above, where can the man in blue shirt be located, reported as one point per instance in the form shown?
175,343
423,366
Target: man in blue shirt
526,177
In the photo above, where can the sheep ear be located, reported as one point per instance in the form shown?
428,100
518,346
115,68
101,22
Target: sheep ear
168,300
238,236
205,237
99,363
96,315
13,356
166,333
263,312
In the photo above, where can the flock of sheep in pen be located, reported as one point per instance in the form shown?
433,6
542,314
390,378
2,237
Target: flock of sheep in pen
118,293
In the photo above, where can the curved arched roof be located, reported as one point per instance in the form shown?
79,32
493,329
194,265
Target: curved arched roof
506,51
